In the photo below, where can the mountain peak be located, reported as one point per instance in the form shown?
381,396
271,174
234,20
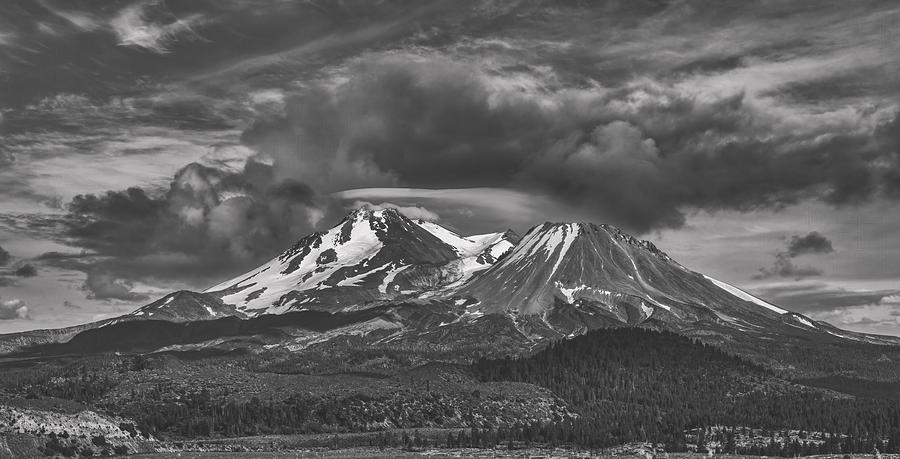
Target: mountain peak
368,212
371,255
577,262
561,278
576,229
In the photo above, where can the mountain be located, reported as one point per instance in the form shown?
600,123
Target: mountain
580,276
384,280
371,256
186,306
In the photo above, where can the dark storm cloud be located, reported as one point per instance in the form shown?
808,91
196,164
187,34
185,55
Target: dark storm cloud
784,266
636,156
812,243
5,257
105,286
889,138
8,282
634,113
58,256
208,222
26,270
293,191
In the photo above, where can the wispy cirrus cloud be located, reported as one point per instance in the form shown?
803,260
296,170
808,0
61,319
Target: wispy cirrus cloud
150,25
823,298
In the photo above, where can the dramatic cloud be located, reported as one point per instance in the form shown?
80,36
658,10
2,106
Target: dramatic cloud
13,309
637,156
493,114
812,243
26,270
784,266
209,221
105,286
5,257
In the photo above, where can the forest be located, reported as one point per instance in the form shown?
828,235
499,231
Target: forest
640,385
605,388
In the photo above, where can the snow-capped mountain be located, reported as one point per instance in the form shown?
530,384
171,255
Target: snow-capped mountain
381,277
559,279
372,256
583,275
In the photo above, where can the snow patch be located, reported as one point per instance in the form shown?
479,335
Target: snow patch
354,281
647,310
287,273
569,293
745,296
570,233
803,320
657,303
390,278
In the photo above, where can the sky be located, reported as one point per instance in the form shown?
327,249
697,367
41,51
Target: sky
154,145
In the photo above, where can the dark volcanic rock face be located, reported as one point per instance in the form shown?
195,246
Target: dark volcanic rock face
186,306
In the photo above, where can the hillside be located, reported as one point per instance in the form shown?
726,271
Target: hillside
632,385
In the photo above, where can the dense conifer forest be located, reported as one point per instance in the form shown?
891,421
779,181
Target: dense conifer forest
639,385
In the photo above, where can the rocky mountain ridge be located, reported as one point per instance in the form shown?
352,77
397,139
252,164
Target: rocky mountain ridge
381,278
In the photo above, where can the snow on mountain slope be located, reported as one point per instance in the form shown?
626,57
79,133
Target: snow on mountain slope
468,246
560,279
577,276
745,296
371,256
364,258
476,253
